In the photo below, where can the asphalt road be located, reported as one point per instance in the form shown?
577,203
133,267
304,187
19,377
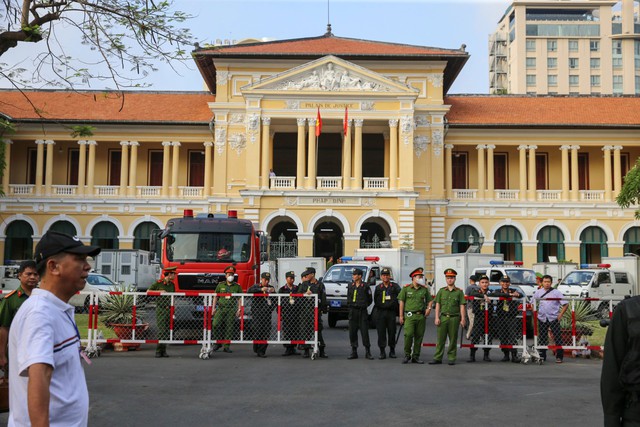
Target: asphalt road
239,389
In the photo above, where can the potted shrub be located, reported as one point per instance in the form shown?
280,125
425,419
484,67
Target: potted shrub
116,312
585,316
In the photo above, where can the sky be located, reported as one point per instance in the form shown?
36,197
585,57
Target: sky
419,22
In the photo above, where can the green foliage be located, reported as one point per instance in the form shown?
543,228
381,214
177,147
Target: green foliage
585,316
630,191
82,131
117,309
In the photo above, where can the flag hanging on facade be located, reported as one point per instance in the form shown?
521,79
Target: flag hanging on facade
345,125
318,123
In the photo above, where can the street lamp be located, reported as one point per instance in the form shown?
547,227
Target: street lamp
479,241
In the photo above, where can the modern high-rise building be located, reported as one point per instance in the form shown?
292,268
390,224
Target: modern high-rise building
566,47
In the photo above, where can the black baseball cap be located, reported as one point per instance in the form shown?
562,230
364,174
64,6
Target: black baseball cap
54,243
357,271
290,274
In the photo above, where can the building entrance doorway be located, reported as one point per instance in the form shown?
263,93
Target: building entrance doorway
328,240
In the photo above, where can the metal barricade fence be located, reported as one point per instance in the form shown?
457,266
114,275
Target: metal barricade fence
496,322
190,318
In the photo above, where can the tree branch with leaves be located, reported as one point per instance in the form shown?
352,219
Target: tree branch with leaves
630,191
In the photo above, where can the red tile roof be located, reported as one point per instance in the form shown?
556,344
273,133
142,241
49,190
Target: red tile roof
524,111
97,106
330,45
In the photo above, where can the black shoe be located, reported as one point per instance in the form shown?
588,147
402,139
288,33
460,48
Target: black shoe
261,354
217,347
294,352
322,354
368,355
486,357
472,359
383,355
164,354
505,358
392,353
353,355
306,353
158,355
515,359
287,352
418,361
435,362
406,360
451,363
227,350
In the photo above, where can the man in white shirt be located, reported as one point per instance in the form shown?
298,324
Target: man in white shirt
48,386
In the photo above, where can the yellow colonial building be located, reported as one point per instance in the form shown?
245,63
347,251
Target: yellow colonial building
328,144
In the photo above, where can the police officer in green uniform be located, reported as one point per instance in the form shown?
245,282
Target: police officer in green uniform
310,285
28,277
226,308
163,307
450,311
415,306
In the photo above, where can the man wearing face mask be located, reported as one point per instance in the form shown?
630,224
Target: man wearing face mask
226,309
415,306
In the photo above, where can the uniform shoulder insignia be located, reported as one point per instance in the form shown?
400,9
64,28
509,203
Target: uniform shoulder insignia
11,293
406,286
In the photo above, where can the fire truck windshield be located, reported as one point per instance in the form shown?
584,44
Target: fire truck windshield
209,247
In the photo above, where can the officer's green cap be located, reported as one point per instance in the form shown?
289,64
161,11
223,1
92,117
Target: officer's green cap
450,272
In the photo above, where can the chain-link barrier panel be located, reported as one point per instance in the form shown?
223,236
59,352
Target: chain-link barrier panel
212,320
496,322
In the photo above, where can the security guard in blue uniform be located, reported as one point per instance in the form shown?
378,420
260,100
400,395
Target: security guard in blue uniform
261,309
385,299
289,313
310,285
359,298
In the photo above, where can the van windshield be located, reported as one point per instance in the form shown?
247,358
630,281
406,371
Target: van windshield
578,278
342,273
521,276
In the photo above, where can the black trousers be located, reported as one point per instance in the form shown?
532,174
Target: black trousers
386,326
359,320
543,336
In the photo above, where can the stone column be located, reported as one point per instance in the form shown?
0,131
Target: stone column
346,158
220,159
133,168
575,181
523,171
7,166
301,170
166,167
393,154
124,167
448,170
357,155
565,171
206,191
39,165
607,172
264,168
532,172
490,173
406,154
175,168
481,175
82,166
311,162
48,173
617,170
91,168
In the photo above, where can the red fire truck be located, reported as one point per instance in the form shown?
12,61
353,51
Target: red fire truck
203,246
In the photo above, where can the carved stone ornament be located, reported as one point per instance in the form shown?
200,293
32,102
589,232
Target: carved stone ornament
435,79
236,118
406,126
221,139
420,143
330,77
291,201
292,105
238,142
367,105
253,123
438,142
422,121
222,77
368,202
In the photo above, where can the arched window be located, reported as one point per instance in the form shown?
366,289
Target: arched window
142,235
284,242
632,241
460,238
509,243
550,243
18,245
105,235
374,234
64,227
593,245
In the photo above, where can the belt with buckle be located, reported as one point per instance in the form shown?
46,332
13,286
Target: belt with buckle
450,315
411,313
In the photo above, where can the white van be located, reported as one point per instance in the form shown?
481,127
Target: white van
524,278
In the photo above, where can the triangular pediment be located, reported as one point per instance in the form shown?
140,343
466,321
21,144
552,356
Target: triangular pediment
329,74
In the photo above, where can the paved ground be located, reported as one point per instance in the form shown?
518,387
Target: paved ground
239,389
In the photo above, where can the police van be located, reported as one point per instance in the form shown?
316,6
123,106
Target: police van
523,278
338,277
